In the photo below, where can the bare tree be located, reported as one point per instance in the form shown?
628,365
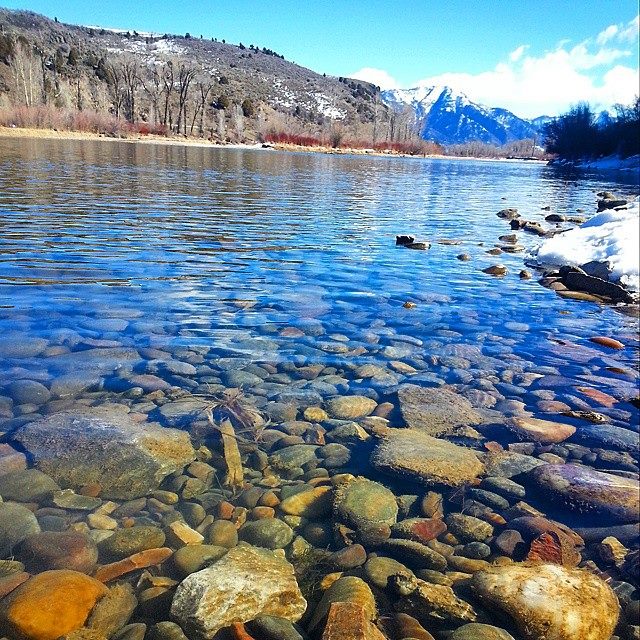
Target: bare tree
153,88
204,89
186,74
130,76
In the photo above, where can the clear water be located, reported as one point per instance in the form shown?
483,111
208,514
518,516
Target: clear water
195,247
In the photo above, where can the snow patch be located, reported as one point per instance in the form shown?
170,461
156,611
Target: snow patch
610,236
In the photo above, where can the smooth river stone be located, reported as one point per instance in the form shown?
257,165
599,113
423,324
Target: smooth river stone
412,454
105,447
361,503
350,407
543,431
16,524
550,601
584,490
608,436
243,584
50,605
435,411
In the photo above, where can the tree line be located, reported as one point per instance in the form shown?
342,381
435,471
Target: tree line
581,133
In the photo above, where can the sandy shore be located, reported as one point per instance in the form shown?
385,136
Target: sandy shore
52,134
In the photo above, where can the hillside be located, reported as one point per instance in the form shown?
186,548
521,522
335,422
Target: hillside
181,84
450,117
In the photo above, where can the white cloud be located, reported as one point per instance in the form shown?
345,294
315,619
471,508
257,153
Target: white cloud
602,71
379,77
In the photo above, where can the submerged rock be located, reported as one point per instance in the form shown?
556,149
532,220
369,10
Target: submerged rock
16,524
50,605
543,431
412,454
127,459
350,407
361,503
585,490
435,411
549,601
477,631
243,584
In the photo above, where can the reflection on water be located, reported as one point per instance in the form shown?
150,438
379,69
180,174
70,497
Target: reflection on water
139,275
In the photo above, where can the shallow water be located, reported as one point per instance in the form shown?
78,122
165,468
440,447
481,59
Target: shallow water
115,256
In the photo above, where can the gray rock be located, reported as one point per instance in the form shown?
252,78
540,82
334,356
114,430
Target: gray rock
28,392
245,583
16,524
293,457
477,631
18,345
272,628
127,459
435,411
609,436
182,411
379,569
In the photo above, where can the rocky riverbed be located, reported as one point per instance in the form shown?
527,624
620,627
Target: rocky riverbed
183,493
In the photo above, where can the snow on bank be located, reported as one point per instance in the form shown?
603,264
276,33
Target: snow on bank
609,236
608,163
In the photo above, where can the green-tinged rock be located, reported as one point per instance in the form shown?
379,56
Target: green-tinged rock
468,528
362,503
193,557
125,542
113,611
293,457
222,533
29,485
477,631
269,533
379,569
414,554
106,447
16,524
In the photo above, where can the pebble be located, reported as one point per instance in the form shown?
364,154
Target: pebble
28,485
363,502
59,550
350,407
468,528
126,542
477,631
16,523
193,557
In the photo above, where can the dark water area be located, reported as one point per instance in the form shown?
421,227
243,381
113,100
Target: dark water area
137,277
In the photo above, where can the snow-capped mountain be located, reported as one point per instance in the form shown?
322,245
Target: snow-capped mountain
449,117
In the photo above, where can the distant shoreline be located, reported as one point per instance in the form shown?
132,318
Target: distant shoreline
52,134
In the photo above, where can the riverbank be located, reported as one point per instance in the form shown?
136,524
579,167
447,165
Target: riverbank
52,134
607,163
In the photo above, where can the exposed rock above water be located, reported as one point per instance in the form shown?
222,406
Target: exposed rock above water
127,459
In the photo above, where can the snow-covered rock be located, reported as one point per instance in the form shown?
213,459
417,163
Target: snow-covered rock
610,236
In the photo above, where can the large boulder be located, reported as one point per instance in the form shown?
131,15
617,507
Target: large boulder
245,583
127,459
434,410
585,490
550,601
412,454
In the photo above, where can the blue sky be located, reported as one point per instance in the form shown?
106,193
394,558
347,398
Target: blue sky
533,56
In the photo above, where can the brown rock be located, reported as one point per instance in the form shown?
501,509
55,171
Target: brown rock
59,550
12,581
543,431
554,547
50,605
142,560
407,626
607,342
11,460
348,621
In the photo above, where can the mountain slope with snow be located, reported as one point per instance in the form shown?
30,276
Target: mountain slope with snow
449,117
